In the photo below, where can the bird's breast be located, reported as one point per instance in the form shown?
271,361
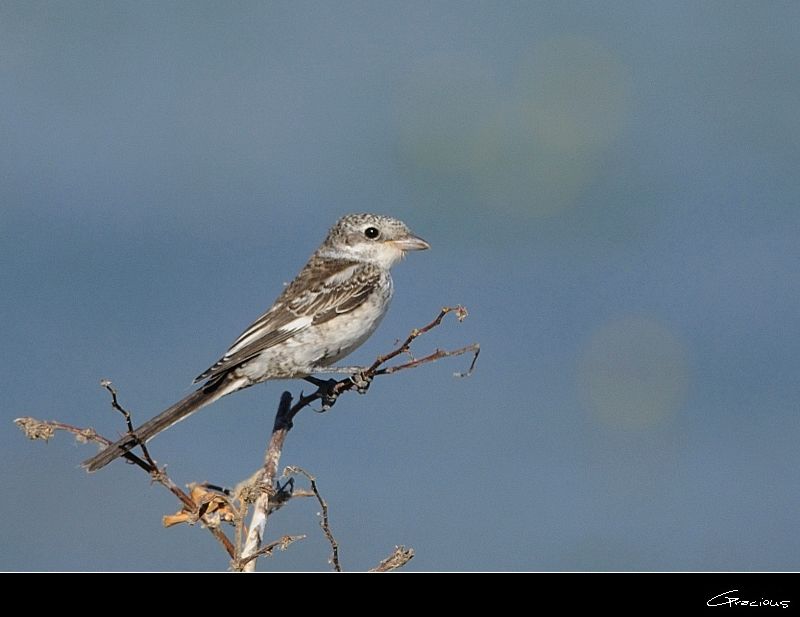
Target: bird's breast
321,344
343,334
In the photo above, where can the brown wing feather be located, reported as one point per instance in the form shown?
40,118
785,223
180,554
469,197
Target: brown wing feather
323,289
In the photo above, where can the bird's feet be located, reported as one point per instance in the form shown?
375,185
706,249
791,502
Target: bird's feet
362,381
326,389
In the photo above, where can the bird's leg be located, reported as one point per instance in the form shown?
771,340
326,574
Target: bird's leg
320,383
336,370
358,375
326,387
361,380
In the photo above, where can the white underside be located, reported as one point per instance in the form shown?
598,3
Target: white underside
318,345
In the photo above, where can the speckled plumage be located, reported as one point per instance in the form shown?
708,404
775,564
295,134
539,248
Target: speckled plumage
331,307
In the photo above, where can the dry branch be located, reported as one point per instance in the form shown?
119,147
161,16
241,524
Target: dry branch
400,557
325,522
246,562
266,551
44,429
329,392
213,506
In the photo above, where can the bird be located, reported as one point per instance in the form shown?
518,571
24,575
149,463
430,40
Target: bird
331,307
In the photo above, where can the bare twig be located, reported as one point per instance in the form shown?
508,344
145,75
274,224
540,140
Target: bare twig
216,488
461,315
324,523
475,349
266,551
43,429
400,557
106,383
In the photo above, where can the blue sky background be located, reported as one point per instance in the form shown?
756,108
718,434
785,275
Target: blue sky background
611,189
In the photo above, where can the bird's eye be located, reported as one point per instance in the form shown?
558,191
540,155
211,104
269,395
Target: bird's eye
372,232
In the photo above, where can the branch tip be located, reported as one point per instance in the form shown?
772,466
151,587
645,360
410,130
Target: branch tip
35,429
399,557
324,522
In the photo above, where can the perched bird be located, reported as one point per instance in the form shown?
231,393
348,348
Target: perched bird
331,307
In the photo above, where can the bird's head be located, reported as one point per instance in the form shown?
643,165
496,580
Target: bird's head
371,238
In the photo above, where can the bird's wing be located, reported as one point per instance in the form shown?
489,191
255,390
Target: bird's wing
323,289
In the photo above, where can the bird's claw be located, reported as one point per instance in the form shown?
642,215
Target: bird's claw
327,402
362,381
327,393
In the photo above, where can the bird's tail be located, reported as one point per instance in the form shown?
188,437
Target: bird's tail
182,409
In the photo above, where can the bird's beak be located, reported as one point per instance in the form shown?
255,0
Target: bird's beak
411,243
